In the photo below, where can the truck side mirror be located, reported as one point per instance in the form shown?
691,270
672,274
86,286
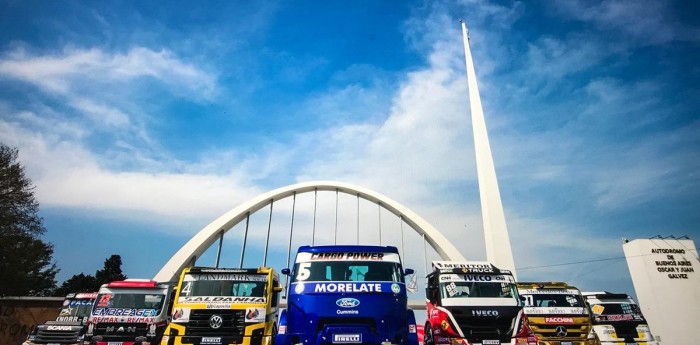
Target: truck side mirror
286,271
277,289
408,271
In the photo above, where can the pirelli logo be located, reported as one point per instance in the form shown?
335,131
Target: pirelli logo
347,338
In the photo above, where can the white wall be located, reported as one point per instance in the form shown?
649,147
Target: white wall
666,278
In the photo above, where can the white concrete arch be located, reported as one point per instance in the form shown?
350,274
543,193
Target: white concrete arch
196,246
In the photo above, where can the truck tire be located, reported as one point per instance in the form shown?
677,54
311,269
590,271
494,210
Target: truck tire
428,338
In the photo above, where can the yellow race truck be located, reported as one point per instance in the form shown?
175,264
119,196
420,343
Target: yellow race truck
224,306
556,314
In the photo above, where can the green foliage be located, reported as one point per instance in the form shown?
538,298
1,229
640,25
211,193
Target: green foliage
25,260
78,283
111,271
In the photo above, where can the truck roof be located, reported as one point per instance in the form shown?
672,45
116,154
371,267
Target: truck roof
135,284
348,248
198,269
544,285
462,267
605,295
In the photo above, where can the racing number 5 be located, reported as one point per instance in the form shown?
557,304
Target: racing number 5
304,271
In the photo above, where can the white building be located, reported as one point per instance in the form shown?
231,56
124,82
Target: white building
666,277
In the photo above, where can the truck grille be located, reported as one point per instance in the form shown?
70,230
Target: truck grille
478,329
550,331
120,330
46,336
233,322
347,321
627,331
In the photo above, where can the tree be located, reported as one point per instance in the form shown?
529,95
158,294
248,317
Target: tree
25,259
111,271
78,283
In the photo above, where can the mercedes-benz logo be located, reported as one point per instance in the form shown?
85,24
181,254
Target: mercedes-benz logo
215,322
561,331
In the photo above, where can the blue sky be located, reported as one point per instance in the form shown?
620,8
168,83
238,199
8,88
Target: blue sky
141,123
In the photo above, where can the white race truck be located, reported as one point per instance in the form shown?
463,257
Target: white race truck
617,319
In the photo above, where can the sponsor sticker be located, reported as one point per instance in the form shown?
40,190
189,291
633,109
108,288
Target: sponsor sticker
411,328
299,288
124,312
226,277
347,312
347,256
452,289
347,338
253,315
554,310
395,288
559,320
221,299
282,330
181,315
597,309
348,287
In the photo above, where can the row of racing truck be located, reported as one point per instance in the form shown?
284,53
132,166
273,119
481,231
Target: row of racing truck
344,295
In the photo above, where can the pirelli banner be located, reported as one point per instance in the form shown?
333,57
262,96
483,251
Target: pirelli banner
666,278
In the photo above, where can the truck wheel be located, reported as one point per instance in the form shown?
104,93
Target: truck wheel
428,338
273,337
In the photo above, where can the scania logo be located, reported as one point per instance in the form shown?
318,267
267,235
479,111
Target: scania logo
561,331
347,302
215,321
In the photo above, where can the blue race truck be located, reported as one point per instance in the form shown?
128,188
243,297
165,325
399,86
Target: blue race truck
347,295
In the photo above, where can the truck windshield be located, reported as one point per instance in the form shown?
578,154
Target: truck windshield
76,307
553,300
606,312
383,271
460,289
150,303
224,285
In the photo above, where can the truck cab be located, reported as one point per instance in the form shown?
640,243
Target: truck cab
471,303
618,319
69,327
129,312
557,314
224,306
347,295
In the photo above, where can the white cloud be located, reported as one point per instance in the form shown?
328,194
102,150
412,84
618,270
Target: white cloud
72,69
647,22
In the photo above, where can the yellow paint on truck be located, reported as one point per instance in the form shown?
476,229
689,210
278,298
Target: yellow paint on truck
224,306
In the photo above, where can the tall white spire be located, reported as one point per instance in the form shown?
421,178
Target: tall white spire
498,249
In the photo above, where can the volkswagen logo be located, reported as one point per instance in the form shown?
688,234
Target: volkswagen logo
215,322
561,331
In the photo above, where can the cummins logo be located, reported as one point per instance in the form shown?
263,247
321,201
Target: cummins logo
347,302
485,313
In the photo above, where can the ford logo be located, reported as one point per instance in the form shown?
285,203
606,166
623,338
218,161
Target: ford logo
347,302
